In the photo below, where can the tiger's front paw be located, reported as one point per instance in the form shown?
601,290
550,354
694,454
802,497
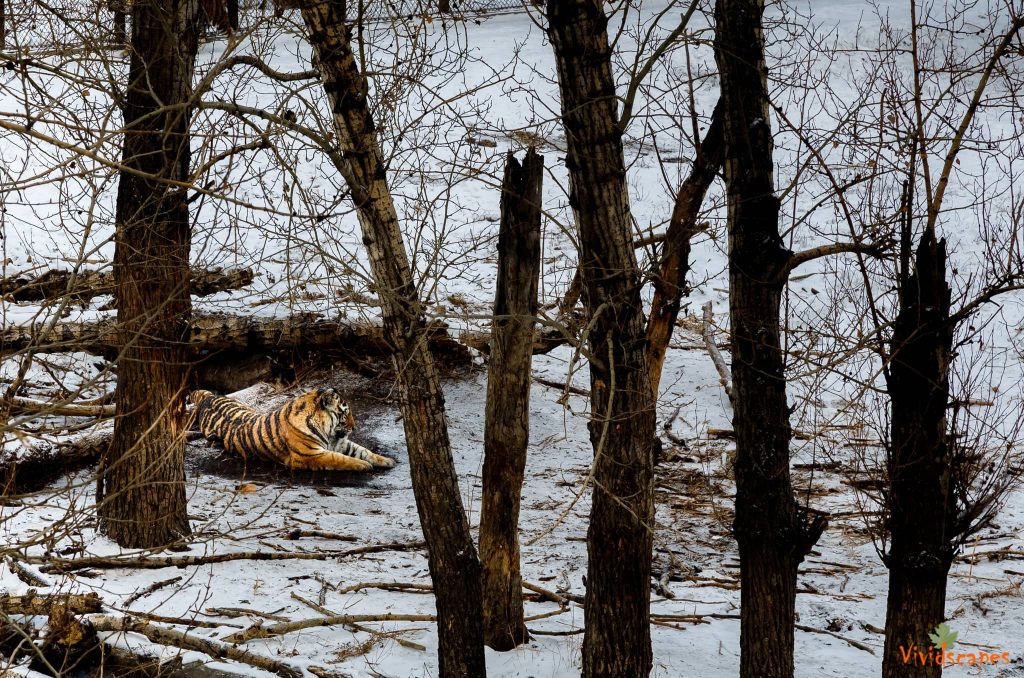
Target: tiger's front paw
380,461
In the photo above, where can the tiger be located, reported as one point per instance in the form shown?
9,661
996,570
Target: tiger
308,432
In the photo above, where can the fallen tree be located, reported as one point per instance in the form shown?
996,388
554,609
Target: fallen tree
212,332
83,286
38,465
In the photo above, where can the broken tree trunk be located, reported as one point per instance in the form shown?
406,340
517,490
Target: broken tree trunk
921,506
55,284
507,418
218,332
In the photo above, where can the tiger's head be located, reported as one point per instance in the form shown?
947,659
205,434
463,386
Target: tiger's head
331,415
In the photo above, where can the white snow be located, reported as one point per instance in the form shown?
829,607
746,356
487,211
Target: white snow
282,210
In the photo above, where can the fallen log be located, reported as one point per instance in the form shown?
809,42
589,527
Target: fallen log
34,604
54,284
35,467
216,649
215,332
70,409
545,340
52,565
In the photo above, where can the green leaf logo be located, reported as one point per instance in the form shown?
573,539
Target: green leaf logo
944,637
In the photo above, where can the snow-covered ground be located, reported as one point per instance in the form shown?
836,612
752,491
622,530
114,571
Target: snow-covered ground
282,211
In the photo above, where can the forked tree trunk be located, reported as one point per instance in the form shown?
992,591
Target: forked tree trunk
141,491
617,641
507,419
773,534
452,557
921,507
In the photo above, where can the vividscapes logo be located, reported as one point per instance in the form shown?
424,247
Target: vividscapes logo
943,639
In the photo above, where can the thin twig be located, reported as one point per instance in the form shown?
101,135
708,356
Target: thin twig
150,589
724,374
359,627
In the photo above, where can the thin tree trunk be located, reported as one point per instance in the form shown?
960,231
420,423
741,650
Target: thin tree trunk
670,281
507,418
141,490
921,507
772,532
617,641
233,14
452,557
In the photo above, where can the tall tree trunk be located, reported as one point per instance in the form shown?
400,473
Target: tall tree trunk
507,419
617,641
674,263
921,507
141,492
772,532
454,566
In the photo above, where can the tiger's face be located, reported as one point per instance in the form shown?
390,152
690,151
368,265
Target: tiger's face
337,418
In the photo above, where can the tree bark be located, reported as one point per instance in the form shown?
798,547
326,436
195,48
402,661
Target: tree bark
921,504
507,418
617,639
209,332
54,284
674,264
772,531
141,490
233,14
3,24
452,557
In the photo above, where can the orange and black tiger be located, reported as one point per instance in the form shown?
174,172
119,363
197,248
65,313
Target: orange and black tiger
308,432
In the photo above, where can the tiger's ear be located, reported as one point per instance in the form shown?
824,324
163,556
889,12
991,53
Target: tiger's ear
328,399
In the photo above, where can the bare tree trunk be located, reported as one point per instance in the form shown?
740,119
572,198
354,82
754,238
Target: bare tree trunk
233,14
772,532
675,258
507,419
921,506
617,641
452,557
141,490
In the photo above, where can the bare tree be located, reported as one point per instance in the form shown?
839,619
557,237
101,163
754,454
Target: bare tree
454,566
141,491
617,641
